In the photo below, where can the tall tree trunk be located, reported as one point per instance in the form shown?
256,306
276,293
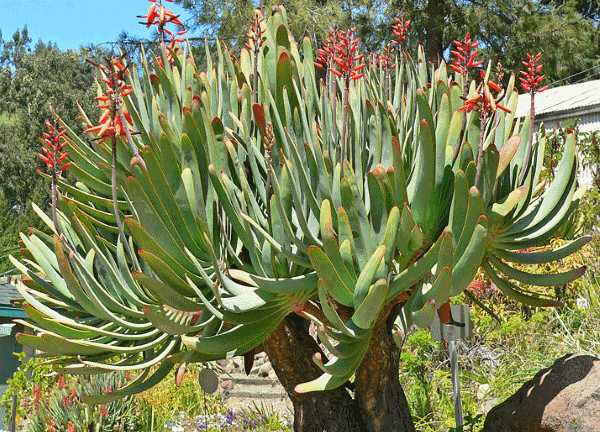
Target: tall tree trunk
381,400
435,11
290,349
378,404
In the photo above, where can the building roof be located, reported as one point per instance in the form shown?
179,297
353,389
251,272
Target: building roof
8,292
573,98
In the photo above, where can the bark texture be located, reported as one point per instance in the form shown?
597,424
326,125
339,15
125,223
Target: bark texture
379,395
376,403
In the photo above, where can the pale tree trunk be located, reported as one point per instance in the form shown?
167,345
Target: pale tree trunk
376,403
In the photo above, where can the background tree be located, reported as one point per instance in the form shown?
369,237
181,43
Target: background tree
566,31
33,77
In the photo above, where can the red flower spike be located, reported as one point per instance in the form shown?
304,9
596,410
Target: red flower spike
464,55
162,18
484,101
400,28
383,59
103,411
346,62
326,53
256,33
60,382
53,154
36,394
109,123
532,77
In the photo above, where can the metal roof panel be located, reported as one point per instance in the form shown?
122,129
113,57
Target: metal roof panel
563,98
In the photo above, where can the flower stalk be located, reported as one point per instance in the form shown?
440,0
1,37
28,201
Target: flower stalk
531,80
115,121
348,65
325,60
54,157
486,103
256,40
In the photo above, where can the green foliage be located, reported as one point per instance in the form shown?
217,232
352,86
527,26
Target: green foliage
33,77
245,210
169,401
61,407
45,400
31,372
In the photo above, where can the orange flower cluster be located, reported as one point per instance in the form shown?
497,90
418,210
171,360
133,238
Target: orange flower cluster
53,153
326,53
70,398
158,15
110,124
348,63
532,75
161,17
484,101
464,55
256,33
36,394
383,58
103,411
400,29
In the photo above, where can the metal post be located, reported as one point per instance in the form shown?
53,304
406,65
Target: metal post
453,355
13,416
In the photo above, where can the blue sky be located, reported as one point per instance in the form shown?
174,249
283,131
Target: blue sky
72,23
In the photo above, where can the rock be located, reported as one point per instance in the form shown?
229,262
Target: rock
482,391
227,384
264,370
486,406
562,398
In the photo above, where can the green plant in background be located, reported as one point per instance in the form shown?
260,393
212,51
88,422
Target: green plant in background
32,373
169,400
60,409
209,218
52,403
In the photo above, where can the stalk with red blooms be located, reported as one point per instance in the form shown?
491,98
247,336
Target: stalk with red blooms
464,59
169,27
115,121
325,61
486,102
256,40
531,81
348,65
400,28
54,157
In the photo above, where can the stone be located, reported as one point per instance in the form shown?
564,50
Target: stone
264,370
562,398
227,384
482,391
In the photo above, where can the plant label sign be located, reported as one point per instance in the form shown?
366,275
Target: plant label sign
453,332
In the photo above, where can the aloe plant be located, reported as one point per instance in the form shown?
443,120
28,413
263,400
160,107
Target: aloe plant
244,225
